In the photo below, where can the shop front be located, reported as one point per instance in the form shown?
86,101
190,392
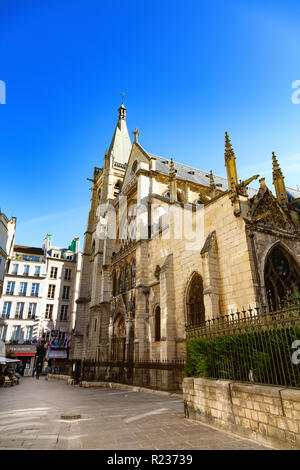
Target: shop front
26,355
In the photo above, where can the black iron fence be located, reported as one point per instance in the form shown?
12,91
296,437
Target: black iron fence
160,375
253,345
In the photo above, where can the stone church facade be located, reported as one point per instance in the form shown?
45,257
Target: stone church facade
167,245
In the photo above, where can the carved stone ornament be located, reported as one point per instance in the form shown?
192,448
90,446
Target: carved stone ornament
265,210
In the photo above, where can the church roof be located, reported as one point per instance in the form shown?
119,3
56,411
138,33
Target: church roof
193,175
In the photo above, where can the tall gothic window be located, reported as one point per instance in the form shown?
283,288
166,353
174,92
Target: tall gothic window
114,284
133,274
195,304
126,282
120,282
282,276
157,324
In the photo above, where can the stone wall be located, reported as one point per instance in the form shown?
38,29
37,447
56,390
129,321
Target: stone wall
267,414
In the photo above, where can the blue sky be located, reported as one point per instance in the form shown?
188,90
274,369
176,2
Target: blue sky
190,72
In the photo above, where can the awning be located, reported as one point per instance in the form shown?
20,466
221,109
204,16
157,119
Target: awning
23,354
6,360
58,354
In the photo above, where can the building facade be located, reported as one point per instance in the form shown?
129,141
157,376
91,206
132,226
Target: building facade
167,245
7,237
38,300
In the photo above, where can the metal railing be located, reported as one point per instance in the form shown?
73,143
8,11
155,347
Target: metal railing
253,345
160,375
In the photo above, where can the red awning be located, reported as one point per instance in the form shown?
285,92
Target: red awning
24,354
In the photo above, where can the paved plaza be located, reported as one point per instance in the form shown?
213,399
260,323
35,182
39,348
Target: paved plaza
36,415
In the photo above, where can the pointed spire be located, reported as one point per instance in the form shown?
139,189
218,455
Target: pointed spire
212,185
173,182
278,181
230,163
276,168
229,153
120,145
172,171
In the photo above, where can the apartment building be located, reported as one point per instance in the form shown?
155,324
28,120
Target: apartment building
38,299
7,235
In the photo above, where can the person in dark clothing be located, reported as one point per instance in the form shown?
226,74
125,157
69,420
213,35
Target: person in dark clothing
38,371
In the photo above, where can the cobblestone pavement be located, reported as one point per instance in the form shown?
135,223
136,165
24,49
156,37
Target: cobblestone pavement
31,418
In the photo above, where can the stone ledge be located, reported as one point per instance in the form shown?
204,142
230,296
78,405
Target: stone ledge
264,390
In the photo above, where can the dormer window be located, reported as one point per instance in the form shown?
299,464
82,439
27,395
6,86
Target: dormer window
134,167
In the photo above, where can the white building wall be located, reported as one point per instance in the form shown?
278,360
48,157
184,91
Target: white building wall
24,271
7,233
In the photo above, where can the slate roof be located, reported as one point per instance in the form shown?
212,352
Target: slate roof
193,175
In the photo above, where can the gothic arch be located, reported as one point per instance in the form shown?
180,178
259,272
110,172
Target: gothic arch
194,301
157,323
118,340
281,275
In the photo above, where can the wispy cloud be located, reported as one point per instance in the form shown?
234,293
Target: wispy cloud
288,164
53,216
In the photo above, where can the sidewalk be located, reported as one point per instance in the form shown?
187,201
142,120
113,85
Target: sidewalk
40,414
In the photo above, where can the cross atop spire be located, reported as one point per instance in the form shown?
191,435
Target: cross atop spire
135,133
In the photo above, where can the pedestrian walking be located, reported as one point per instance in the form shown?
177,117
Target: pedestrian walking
47,371
37,372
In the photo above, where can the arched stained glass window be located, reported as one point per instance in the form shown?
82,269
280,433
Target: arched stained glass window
195,304
282,276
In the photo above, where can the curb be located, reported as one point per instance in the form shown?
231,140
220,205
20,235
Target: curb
115,385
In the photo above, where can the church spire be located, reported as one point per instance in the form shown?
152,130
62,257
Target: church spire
173,182
278,181
230,163
120,145
212,185
122,110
